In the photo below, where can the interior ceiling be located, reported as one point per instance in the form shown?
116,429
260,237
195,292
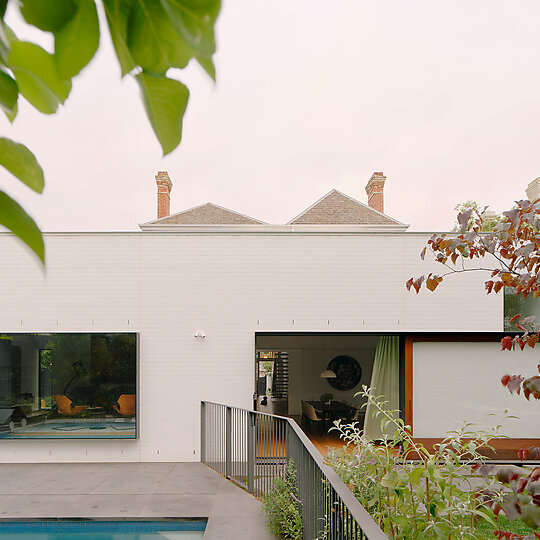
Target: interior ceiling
316,341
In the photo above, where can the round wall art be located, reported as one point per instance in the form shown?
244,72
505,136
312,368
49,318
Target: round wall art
348,372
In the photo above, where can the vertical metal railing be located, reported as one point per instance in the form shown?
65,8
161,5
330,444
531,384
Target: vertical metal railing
252,448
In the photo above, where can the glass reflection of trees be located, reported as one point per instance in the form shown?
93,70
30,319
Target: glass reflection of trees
92,369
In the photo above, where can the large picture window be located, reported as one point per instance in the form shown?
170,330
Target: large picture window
68,386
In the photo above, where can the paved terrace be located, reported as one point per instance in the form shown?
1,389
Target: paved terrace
135,490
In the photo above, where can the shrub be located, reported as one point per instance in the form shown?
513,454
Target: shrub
411,492
282,507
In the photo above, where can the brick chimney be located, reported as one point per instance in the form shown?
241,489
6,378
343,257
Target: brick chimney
164,187
375,191
533,190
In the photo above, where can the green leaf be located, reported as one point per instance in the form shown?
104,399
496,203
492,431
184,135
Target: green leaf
21,163
9,92
117,12
194,21
77,42
5,34
13,114
50,16
416,475
208,65
15,219
37,76
165,101
153,43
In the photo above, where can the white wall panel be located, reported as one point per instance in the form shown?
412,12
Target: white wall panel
458,382
167,285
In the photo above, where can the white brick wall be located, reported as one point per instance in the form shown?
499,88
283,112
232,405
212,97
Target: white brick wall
167,285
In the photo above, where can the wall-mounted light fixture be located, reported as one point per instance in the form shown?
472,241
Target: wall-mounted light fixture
328,374
199,334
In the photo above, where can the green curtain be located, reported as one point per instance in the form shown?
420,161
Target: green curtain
385,382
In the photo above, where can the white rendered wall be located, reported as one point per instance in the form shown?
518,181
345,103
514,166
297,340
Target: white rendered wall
167,285
456,382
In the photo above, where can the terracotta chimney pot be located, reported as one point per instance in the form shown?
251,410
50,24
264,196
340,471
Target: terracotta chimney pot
164,187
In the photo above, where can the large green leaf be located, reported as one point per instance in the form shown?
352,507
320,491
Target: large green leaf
194,21
5,34
165,101
117,12
13,114
9,92
208,65
77,42
20,162
48,15
153,43
37,76
15,219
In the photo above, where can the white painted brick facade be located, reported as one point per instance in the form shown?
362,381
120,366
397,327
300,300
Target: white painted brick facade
167,285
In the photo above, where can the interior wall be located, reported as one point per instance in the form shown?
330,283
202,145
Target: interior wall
309,357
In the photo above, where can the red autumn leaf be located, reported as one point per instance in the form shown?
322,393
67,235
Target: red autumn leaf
515,317
423,254
489,286
521,485
535,475
512,382
498,286
409,284
506,343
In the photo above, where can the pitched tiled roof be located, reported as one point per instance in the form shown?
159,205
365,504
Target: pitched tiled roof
336,208
207,214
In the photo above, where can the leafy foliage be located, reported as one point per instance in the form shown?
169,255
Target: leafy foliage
489,218
513,248
431,497
149,37
282,507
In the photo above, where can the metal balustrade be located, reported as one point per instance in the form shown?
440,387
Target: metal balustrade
252,448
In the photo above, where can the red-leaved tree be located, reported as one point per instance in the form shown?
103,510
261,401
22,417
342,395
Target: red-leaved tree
510,255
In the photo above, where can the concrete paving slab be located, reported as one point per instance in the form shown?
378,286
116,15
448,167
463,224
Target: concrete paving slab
175,505
121,490
232,528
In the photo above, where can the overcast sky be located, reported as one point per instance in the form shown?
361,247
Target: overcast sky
443,96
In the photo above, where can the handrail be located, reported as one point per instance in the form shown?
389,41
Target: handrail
251,448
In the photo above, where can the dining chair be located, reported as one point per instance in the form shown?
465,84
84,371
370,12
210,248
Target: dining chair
310,416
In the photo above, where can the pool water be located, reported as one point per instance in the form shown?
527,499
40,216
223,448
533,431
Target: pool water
102,530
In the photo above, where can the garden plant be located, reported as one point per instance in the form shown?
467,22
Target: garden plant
414,493
282,506
510,254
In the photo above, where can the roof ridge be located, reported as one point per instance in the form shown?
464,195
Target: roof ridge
206,204
310,207
356,201
369,207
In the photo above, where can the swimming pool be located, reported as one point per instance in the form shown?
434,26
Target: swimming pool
176,529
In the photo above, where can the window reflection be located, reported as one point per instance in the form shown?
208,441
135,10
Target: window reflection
68,385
